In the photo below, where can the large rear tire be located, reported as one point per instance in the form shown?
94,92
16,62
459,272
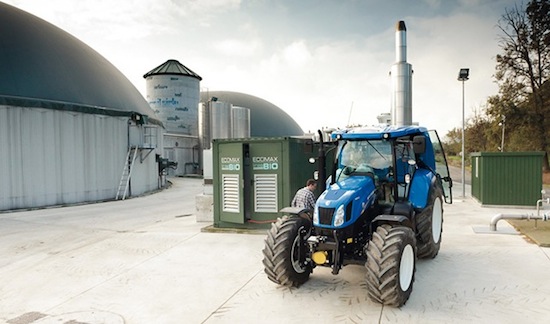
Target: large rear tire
429,224
391,264
286,260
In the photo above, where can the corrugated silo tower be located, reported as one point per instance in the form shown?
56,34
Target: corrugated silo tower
173,92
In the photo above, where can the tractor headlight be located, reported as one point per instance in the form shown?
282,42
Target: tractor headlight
316,216
340,214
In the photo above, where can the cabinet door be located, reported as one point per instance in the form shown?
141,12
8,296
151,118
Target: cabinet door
231,183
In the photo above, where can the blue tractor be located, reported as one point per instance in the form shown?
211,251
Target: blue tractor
382,207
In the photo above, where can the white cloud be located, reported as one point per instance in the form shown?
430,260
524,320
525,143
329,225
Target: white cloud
204,7
296,54
312,70
128,19
329,79
433,3
237,47
439,47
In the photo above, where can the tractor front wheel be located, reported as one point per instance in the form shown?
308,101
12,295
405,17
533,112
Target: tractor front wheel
391,264
429,224
286,251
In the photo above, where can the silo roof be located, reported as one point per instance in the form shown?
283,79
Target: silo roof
172,67
43,66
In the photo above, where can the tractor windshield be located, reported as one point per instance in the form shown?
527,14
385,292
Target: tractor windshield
362,157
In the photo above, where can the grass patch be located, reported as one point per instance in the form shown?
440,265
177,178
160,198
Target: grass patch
536,231
456,161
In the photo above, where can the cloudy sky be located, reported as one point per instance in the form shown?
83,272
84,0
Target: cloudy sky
324,62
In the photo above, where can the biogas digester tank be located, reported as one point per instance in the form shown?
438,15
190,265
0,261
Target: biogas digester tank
173,92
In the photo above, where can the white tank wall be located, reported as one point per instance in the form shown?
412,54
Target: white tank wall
220,119
204,125
175,99
185,151
240,122
145,176
53,157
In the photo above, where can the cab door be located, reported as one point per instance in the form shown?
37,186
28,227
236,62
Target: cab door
441,167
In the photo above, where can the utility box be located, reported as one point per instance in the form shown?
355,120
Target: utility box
507,178
255,177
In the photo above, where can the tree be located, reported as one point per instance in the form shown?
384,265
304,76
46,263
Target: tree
478,135
453,141
523,70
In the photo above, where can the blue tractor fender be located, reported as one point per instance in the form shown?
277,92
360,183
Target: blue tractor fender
294,210
298,211
420,188
390,219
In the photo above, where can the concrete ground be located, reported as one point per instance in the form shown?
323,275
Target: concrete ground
146,260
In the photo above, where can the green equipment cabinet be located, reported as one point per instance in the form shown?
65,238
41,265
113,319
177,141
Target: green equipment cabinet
507,178
254,178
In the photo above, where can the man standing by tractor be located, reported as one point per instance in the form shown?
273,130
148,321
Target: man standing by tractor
304,197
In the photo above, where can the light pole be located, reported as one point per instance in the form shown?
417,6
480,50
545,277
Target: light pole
463,76
503,124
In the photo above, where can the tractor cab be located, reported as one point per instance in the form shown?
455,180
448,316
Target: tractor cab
392,164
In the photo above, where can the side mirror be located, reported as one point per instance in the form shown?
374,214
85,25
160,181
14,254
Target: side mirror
419,144
348,170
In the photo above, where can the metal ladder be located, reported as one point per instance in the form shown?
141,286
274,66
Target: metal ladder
126,173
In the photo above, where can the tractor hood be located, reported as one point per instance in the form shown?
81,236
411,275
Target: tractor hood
344,201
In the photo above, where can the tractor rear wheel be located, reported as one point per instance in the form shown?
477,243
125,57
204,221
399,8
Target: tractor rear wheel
429,224
391,264
286,260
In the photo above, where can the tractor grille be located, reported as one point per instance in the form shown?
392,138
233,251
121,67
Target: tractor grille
348,211
325,215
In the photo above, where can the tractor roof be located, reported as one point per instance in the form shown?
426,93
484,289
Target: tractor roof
377,132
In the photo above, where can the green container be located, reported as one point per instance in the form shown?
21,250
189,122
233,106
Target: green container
254,178
507,178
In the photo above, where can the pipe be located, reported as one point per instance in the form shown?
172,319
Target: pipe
401,79
498,217
401,42
540,202
544,217
322,163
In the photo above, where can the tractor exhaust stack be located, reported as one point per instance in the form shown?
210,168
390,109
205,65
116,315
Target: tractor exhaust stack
401,79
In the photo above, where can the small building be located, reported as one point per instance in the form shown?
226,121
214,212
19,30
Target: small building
507,178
